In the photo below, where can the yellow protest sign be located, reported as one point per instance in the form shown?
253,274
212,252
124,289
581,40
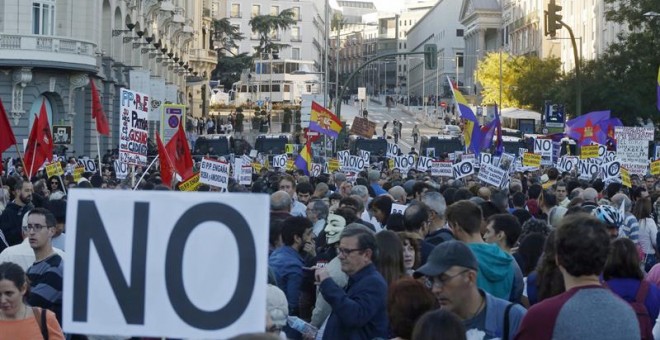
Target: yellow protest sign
655,168
54,169
191,184
390,163
589,151
333,165
289,148
290,165
625,177
532,159
77,172
256,167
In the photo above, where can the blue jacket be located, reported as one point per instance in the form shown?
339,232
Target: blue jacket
287,265
495,308
361,311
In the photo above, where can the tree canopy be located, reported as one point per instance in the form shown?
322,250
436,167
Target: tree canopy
267,25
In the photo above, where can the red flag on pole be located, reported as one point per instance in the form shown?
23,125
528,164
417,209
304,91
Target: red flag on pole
179,153
97,112
40,143
166,168
7,137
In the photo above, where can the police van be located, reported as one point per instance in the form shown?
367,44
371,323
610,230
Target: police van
272,144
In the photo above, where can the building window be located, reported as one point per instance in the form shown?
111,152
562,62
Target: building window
295,53
295,34
273,35
459,32
235,11
274,10
296,13
459,57
256,10
43,17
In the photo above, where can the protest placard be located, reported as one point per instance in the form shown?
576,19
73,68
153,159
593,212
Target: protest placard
363,127
392,150
442,169
625,177
611,170
398,208
190,184
133,127
588,168
462,169
354,164
157,243
316,169
633,147
343,156
589,151
404,162
424,163
121,169
245,177
532,160
54,169
567,163
492,175
655,168
214,173
78,171
279,161
543,147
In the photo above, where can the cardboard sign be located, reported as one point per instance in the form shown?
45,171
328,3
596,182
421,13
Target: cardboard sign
632,147
78,171
442,169
398,208
589,151
245,177
89,164
392,150
279,161
190,184
146,263
655,168
214,173
492,175
625,177
404,162
333,165
532,159
567,163
121,169
355,164
463,169
54,169
363,127
588,169
290,165
611,170
366,155
316,170
289,148
543,147
343,157
133,127
424,163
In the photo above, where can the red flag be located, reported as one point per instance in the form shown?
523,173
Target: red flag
166,168
97,112
179,153
40,143
7,137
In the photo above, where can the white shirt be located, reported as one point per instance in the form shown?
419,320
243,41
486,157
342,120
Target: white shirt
298,209
647,235
22,254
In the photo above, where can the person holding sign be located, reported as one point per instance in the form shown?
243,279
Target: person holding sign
17,319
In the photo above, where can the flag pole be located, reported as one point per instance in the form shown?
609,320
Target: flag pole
98,149
145,172
34,156
21,157
62,182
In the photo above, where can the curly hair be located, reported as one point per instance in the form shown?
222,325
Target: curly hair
407,301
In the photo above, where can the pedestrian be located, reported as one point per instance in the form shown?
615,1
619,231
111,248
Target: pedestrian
415,134
385,130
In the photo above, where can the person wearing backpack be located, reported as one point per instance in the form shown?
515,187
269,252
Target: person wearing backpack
623,276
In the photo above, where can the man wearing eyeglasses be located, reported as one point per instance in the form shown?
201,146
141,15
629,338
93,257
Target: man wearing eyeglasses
360,311
45,275
451,271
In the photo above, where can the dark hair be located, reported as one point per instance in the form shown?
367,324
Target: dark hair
407,301
549,279
534,191
522,215
623,261
462,194
642,209
598,185
12,272
384,204
294,226
508,224
548,199
613,189
390,256
365,237
582,245
465,215
553,174
396,222
560,184
50,218
58,209
304,188
449,195
348,213
529,252
335,196
439,324
414,241
415,216
351,202
488,209
419,187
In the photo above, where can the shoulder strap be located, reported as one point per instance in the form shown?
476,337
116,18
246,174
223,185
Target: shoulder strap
505,334
642,291
40,317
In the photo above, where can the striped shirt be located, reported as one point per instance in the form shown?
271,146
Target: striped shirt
46,284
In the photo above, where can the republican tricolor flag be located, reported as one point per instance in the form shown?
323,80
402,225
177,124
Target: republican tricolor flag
471,130
324,121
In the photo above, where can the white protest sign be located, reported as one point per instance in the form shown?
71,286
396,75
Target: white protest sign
147,263
424,163
279,161
587,169
404,162
355,164
543,147
89,164
462,169
316,169
442,169
469,157
343,157
485,158
392,150
492,175
567,163
245,176
452,156
366,155
133,127
506,161
610,156
632,147
214,173
611,170
398,208
121,169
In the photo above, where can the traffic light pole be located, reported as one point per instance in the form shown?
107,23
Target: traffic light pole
348,80
578,77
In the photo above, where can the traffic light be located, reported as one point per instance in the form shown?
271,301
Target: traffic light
430,56
552,19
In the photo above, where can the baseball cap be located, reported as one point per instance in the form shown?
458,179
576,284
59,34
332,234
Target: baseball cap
446,255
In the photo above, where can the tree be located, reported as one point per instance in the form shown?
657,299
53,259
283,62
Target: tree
267,26
488,75
534,81
225,37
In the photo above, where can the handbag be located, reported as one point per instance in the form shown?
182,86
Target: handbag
41,321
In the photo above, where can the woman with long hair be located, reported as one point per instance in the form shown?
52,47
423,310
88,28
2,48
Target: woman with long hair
648,231
389,261
623,276
408,299
546,281
412,254
18,320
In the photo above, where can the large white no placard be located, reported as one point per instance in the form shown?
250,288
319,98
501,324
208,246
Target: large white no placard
165,264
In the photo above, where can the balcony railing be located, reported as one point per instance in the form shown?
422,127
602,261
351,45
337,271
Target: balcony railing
205,55
64,49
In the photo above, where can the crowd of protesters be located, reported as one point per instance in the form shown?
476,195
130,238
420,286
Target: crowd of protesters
550,256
